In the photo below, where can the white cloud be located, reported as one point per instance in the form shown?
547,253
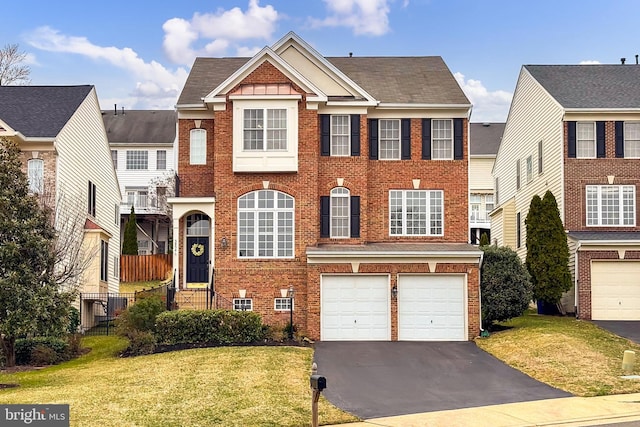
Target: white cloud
224,28
153,79
364,17
589,62
487,106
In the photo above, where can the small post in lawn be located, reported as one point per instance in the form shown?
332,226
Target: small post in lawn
318,384
628,360
290,295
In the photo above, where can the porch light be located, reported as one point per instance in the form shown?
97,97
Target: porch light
394,291
224,243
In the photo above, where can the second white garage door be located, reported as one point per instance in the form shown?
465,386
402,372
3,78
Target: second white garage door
431,307
615,290
355,308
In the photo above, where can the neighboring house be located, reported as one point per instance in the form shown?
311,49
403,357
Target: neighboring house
575,130
142,152
342,178
66,157
484,142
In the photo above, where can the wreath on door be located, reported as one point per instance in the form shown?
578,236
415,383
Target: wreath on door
197,249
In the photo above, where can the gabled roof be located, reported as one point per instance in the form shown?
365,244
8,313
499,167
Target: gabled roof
40,111
485,138
590,86
140,126
207,74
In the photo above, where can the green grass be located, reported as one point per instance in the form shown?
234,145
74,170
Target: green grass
225,386
572,355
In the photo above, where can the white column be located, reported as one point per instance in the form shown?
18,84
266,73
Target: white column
176,251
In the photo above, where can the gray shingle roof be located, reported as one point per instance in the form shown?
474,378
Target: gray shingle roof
40,111
419,80
605,235
590,86
140,126
485,138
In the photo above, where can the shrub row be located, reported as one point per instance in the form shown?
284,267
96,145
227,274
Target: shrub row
218,327
42,351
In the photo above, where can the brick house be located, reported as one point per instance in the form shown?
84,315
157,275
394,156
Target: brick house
344,179
575,130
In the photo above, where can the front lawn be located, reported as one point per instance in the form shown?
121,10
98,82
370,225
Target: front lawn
572,355
224,386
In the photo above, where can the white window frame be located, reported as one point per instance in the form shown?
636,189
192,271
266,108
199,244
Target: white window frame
433,214
595,196
198,146
518,177
540,159
104,260
283,304
341,135
137,160
138,197
266,225
529,169
583,151
442,139
340,213
265,130
243,304
631,142
488,201
114,159
161,160
35,175
389,139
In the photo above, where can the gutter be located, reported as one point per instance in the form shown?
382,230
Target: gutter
575,279
482,331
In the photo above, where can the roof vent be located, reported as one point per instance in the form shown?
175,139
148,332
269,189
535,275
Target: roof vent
622,60
486,124
350,54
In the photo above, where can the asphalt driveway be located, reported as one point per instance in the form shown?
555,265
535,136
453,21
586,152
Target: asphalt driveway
628,329
381,379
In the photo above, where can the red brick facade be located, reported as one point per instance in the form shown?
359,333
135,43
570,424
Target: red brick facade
371,180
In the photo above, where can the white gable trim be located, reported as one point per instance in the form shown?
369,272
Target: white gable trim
266,54
320,61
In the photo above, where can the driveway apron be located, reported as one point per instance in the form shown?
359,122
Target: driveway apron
381,379
628,329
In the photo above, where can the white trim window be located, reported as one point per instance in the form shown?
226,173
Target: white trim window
632,140
265,129
416,212
340,135
198,147
137,160
104,261
611,205
243,304
340,213
586,140
282,304
529,169
161,159
389,146
35,174
114,159
265,225
442,139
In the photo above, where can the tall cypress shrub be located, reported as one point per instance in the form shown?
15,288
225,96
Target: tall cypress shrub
130,243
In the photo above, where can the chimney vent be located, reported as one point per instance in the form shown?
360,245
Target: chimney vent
636,59
115,109
350,54
622,60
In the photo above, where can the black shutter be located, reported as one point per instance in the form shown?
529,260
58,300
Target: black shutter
355,216
426,139
601,151
405,139
571,140
324,216
620,139
373,139
325,135
457,139
355,134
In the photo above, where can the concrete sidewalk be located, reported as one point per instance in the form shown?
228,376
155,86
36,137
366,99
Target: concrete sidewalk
566,412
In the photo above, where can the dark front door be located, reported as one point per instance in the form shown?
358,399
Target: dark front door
197,259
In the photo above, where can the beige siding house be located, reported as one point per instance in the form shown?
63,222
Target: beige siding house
569,133
66,156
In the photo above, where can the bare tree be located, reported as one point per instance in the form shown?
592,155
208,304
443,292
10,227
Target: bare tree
12,67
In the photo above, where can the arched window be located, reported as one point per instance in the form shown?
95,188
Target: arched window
35,173
198,147
198,225
265,225
340,212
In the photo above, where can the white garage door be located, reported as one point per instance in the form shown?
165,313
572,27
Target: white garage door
615,290
355,308
431,307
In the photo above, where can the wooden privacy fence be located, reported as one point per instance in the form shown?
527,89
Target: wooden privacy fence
142,268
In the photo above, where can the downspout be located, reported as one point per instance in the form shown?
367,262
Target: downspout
575,278
483,333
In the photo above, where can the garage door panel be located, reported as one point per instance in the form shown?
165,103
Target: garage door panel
355,307
431,307
615,290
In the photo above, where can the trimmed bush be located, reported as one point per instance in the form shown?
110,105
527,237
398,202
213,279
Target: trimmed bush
25,349
74,320
42,355
218,327
505,285
141,316
140,343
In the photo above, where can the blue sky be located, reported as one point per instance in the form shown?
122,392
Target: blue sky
138,53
